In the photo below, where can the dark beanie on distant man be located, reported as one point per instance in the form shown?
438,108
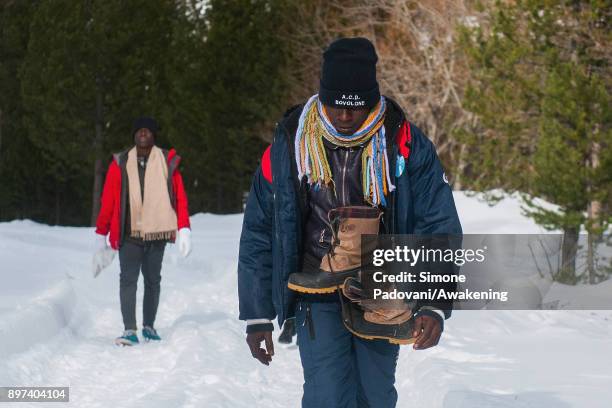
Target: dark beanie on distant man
145,122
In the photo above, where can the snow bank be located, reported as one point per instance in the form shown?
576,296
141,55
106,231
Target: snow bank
42,319
505,217
581,296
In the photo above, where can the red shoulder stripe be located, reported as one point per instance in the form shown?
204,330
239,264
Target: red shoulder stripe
266,165
403,139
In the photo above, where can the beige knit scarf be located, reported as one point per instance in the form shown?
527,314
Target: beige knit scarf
152,218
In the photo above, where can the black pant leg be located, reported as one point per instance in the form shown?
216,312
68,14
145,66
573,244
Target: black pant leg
130,261
151,271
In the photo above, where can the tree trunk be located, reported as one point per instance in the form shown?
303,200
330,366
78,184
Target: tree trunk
219,198
458,176
594,212
569,249
1,132
592,245
58,209
97,190
98,170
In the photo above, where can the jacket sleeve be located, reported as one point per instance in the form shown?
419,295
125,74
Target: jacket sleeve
107,201
255,255
434,206
182,206
434,210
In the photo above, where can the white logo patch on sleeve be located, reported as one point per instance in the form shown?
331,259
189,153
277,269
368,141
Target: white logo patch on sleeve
444,178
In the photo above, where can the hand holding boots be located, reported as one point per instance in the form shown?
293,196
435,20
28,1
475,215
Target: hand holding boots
254,341
427,331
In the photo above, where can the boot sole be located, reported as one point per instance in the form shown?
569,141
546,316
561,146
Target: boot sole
391,340
125,343
347,318
337,283
305,289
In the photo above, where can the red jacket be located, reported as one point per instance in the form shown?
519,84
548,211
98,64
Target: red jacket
114,197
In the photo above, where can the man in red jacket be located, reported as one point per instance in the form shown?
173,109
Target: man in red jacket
144,206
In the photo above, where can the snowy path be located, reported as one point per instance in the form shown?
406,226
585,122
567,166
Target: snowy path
57,325
203,360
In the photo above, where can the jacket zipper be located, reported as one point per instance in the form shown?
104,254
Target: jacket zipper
346,155
392,196
275,278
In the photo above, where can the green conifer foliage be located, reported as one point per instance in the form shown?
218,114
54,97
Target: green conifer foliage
541,93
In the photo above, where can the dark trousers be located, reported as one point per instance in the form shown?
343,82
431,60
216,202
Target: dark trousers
132,258
342,370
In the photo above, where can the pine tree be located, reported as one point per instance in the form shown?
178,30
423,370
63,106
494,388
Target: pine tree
22,191
91,67
77,74
243,82
541,94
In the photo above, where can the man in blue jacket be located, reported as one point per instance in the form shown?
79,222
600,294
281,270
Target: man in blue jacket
347,146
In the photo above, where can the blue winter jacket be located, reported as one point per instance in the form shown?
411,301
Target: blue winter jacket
270,244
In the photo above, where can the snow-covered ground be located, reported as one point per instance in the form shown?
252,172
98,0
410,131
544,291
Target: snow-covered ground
57,326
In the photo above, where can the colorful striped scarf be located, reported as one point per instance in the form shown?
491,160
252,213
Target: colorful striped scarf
311,159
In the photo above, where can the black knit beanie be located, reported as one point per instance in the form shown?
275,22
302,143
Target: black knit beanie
145,122
348,76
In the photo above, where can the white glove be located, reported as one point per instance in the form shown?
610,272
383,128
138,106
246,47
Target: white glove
103,256
184,242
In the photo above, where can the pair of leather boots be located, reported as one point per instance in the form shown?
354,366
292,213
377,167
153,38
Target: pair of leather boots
341,270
